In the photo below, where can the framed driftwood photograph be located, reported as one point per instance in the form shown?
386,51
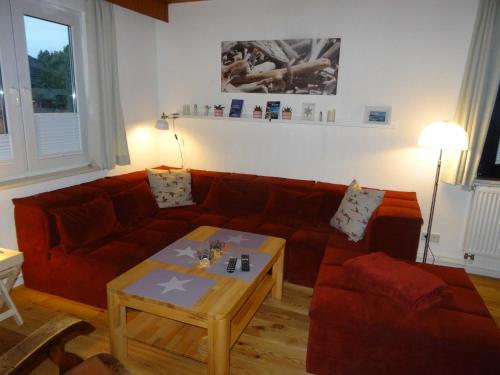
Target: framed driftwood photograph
292,66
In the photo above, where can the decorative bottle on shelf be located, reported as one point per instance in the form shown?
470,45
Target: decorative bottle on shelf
195,110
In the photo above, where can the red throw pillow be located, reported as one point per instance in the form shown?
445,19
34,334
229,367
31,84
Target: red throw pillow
85,223
404,283
285,202
134,204
223,198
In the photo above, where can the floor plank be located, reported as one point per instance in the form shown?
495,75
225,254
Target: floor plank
275,341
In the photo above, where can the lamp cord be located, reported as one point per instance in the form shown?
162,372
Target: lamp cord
178,144
180,151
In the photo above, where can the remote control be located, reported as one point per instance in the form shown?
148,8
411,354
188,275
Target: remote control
231,265
245,262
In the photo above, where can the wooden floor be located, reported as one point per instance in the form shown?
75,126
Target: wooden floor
274,342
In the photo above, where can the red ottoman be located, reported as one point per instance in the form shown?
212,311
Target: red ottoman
353,332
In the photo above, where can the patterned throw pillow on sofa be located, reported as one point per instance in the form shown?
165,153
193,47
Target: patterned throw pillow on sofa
355,210
171,188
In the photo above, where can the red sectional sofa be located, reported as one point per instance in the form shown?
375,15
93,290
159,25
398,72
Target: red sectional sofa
356,332
237,201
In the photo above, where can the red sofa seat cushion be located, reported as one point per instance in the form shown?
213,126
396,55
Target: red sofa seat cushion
357,332
83,224
134,204
409,285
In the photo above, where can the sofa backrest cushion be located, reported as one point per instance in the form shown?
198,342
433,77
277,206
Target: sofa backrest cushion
227,199
286,202
108,184
82,224
331,201
201,182
133,177
35,226
134,204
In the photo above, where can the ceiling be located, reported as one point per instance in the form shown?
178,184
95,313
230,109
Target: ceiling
154,8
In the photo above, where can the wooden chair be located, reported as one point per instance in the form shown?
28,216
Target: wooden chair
49,341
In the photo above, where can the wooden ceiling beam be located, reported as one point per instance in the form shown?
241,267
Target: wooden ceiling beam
154,8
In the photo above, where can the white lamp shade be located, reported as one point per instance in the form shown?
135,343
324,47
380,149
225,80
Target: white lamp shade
444,135
161,124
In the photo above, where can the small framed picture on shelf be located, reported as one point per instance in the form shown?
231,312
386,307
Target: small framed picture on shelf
377,115
236,108
273,110
308,110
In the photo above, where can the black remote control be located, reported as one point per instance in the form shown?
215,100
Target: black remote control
245,262
231,265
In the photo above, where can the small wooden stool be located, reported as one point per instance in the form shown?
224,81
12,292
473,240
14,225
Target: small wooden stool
10,266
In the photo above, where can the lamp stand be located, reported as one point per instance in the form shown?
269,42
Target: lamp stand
433,203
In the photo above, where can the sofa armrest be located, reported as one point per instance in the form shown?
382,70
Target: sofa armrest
395,228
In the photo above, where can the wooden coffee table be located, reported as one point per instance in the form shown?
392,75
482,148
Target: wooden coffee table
213,323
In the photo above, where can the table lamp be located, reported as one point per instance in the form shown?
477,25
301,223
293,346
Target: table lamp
443,136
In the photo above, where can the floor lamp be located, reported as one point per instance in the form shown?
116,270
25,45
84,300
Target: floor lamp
162,124
442,136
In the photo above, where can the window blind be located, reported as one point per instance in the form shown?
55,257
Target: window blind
57,133
5,147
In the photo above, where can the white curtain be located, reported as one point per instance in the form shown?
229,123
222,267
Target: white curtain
107,137
477,94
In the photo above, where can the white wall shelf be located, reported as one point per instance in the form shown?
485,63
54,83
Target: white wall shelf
249,118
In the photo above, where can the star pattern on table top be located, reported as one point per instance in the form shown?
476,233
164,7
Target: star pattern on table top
188,252
173,284
236,239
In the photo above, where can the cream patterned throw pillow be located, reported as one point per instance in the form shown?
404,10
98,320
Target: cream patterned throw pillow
355,210
171,188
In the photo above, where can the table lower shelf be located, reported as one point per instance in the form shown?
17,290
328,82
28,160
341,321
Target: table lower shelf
185,339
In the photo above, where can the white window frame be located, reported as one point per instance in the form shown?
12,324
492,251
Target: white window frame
18,163
33,163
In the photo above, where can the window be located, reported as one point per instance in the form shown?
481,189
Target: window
42,107
489,166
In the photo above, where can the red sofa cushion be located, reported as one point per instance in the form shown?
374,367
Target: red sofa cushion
83,224
224,199
409,285
201,181
355,332
135,204
284,204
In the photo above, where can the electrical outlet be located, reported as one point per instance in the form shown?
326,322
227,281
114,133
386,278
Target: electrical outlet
435,237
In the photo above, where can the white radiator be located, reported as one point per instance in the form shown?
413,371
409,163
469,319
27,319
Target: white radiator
482,236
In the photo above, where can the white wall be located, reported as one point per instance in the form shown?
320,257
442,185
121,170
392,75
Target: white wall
406,54
137,68
138,88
